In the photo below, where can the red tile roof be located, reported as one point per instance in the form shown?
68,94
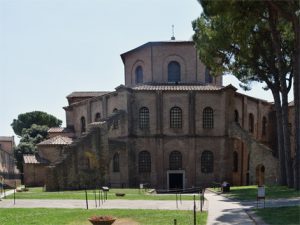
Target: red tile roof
57,140
177,87
56,129
33,159
86,94
6,138
292,103
59,130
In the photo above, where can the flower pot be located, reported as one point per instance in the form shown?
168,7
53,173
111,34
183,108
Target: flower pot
102,220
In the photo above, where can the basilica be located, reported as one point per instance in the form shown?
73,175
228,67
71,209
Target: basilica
171,125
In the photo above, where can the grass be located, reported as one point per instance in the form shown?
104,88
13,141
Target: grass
131,194
281,215
80,216
250,192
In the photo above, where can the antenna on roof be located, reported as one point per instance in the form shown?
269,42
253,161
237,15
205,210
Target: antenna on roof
173,37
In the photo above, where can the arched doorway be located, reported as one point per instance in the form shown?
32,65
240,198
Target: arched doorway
260,174
176,175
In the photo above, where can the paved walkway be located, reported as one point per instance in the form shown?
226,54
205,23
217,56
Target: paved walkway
226,212
6,193
109,204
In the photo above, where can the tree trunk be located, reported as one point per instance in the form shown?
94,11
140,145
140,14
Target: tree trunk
281,154
282,74
296,67
287,140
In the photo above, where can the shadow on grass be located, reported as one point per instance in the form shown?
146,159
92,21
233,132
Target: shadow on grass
272,192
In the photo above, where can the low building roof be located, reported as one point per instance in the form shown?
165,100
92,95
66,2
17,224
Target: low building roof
80,94
59,130
292,103
56,129
6,138
34,159
57,140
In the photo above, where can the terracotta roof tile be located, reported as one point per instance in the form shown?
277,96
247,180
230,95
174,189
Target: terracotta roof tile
87,94
292,103
33,159
178,87
55,129
6,138
59,130
57,140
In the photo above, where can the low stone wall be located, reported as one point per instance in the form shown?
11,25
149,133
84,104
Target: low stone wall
34,174
84,164
260,156
12,183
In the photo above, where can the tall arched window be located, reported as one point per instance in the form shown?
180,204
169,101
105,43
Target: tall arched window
251,123
235,161
264,126
207,162
116,121
144,162
236,116
139,75
176,117
174,72
82,122
175,160
116,163
97,117
144,118
208,118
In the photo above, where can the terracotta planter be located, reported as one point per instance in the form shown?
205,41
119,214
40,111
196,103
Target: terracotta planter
102,220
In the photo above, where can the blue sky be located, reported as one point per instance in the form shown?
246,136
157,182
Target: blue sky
50,48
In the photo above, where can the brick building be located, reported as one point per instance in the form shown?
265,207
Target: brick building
8,168
171,125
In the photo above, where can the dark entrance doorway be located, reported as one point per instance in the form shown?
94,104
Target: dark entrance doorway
175,181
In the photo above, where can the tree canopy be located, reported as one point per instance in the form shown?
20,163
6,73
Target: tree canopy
235,37
26,120
255,42
32,127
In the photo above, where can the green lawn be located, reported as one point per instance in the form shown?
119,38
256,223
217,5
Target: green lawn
131,194
250,192
80,216
281,215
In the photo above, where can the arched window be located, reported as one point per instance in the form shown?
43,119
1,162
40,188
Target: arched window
82,122
116,121
97,117
207,162
251,123
176,117
144,118
236,116
144,162
116,163
208,118
264,126
235,161
174,72
139,75
175,160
